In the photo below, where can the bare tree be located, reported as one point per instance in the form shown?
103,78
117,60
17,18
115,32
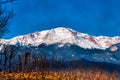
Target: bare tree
5,16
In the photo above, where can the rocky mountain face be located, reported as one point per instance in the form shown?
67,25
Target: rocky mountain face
66,44
63,35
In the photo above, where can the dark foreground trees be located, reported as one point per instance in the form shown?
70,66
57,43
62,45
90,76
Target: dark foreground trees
32,66
11,61
23,65
5,16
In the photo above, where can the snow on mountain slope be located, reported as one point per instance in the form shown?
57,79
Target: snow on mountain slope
63,35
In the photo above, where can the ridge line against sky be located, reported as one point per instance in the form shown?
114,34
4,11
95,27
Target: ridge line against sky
94,17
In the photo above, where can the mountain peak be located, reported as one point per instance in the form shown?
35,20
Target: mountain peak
60,28
63,35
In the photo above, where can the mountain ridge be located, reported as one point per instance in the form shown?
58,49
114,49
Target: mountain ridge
63,35
65,44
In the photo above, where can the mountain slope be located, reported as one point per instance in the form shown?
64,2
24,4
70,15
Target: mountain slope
63,35
65,44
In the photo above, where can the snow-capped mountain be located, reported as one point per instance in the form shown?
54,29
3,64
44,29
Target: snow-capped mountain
62,35
66,44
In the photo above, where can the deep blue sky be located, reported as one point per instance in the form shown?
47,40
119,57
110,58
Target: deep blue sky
95,17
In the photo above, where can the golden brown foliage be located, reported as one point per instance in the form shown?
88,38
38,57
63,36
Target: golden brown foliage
38,67
63,75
